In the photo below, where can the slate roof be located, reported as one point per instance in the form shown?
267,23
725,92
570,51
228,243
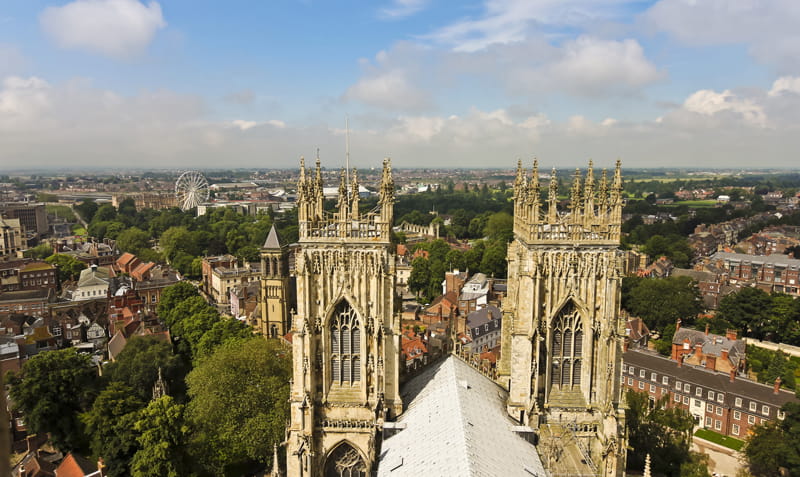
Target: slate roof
93,276
774,259
273,241
456,424
483,316
712,344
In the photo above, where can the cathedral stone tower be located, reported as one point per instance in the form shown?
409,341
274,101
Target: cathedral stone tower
274,320
562,334
346,334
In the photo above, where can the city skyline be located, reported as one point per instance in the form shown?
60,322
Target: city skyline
99,83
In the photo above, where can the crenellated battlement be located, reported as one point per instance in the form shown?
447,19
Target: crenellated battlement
594,214
346,222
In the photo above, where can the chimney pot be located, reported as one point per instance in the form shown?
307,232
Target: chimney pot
777,385
678,325
707,326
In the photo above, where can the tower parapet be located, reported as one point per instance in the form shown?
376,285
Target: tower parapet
346,222
594,215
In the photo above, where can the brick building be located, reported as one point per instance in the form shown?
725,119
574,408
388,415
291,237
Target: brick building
771,273
725,403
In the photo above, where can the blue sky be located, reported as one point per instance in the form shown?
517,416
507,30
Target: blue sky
202,83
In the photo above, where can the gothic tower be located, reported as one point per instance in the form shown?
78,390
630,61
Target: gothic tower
346,334
274,320
562,334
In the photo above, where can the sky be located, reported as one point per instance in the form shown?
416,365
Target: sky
430,83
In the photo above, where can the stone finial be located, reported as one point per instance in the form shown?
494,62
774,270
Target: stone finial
354,194
276,470
575,196
552,197
535,189
647,466
602,195
588,190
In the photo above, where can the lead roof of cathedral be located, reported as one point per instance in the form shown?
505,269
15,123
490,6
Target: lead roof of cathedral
456,424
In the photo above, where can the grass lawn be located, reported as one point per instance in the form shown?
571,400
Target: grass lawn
62,211
694,203
717,438
78,229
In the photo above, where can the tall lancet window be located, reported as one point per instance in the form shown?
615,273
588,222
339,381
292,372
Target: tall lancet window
345,346
567,348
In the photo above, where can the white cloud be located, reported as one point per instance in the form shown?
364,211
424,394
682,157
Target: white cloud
709,103
11,60
768,27
389,90
590,66
402,9
509,21
115,28
785,84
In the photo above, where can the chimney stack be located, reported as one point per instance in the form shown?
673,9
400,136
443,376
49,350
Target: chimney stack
731,334
707,326
680,360
678,325
733,375
101,465
777,388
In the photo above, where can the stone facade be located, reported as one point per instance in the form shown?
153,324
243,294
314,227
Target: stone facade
562,332
274,318
345,334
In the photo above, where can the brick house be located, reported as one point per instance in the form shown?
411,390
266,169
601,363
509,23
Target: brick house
725,403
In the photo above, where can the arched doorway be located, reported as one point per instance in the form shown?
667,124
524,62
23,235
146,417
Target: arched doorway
345,461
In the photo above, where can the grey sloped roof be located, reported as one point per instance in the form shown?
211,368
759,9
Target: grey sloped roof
272,239
456,424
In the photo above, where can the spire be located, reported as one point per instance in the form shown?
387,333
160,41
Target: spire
552,198
602,196
616,187
301,182
534,190
387,183
276,470
575,196
160,386
588,194
342,202
519,182
354,194
273,241
647,466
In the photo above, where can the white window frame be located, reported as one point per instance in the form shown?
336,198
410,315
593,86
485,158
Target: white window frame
735,429
753,406
717,425
665,380
711,395
765,410
687,388
738,402
751,420
737,415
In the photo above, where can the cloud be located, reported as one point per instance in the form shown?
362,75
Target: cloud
402,8
76,124
593,67
509,21
768,28
785,84
116,28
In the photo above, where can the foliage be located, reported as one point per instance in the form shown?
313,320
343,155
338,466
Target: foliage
39,252
673,246
87,209
110,426
138,364
56,386
232,438
163,435
171,296
768,365
663,432
757,314
69,267
661,301
220,332
775,445
133,240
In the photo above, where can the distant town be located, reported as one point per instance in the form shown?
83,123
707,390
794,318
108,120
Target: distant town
148,291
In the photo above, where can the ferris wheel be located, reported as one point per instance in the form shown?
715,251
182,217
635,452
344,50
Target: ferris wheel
191,190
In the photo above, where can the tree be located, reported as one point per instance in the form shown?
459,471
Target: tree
171,297
661,301
221,332
110,425
138,364
56,386
133,240
420,275
163,435
500,227
69,267
665,433
746,310
231,438
87,209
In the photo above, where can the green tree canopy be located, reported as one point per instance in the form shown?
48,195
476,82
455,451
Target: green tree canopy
232,436
138,364
133,240
163,438
55,387
69,267
110,426
661,301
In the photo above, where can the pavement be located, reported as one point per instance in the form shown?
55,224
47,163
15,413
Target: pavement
722,460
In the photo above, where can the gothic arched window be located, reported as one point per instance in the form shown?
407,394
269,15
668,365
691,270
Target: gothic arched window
567,347
345,461
345,341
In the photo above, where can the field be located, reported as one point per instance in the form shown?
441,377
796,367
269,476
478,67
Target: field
694,203
61,211
718,438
